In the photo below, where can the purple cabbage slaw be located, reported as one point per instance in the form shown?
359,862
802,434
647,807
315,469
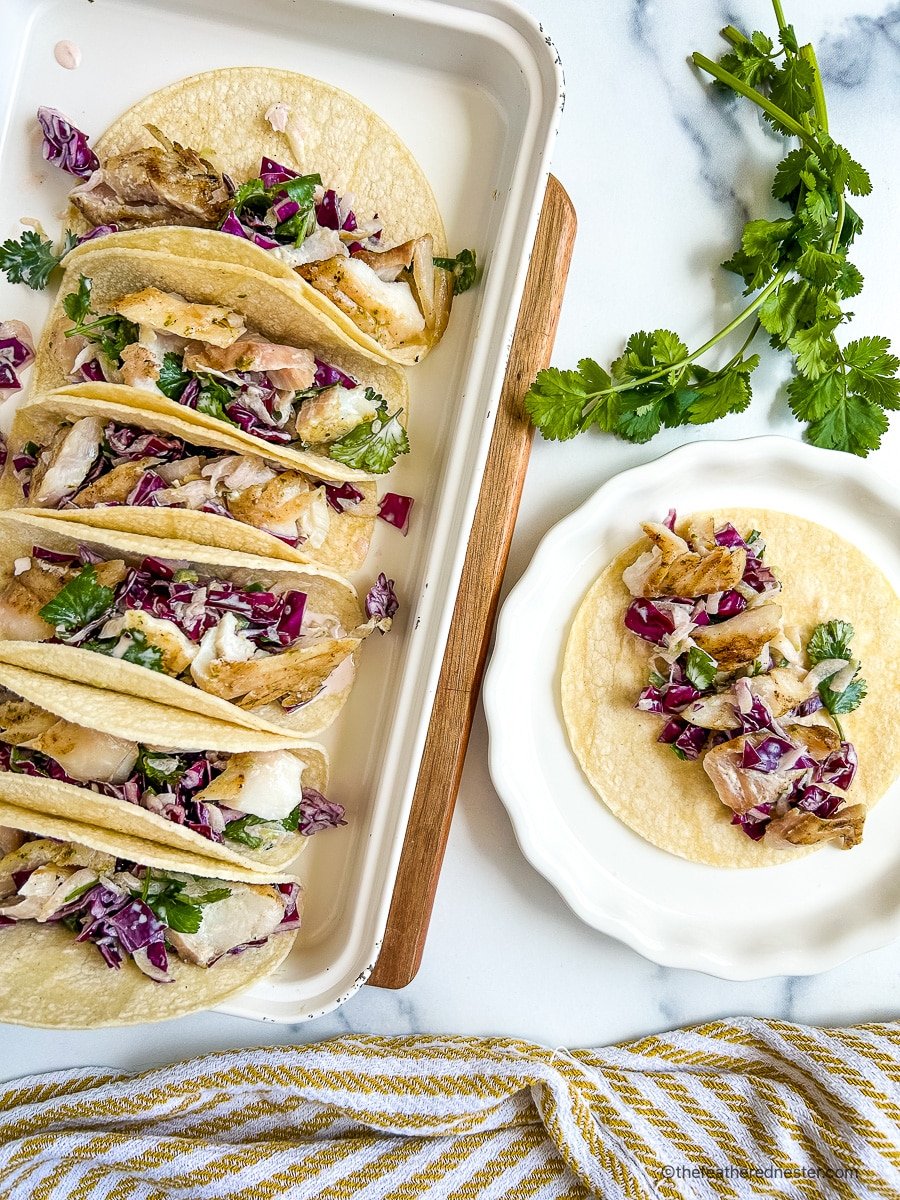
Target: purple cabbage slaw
329,213
175,799
272,621
127,443
810,781
15,354
121,924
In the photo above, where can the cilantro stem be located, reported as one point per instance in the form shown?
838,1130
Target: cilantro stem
838,221
779,15
629,384
744,346
818,93
743,89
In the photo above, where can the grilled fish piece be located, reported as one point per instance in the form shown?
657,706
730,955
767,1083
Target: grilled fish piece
64,464
672,568
740,789
166,184
740,639
806,829
168,312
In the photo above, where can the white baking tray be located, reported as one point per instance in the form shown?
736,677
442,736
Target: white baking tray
475,89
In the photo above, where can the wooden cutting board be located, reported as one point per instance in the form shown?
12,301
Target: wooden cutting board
476,604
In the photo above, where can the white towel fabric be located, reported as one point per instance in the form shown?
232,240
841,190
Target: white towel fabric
732,1109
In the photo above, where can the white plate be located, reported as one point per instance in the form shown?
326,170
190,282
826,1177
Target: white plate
474,89
796,919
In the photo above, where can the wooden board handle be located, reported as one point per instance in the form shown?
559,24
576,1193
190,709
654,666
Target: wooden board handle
476,602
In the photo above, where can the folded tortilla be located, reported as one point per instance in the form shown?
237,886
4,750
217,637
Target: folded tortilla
671,803
166,731
269,307
306,667
222,114
50,980
344,547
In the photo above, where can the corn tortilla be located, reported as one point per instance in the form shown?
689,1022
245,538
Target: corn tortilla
671,803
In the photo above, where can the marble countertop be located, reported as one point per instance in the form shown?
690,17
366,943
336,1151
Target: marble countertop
662,178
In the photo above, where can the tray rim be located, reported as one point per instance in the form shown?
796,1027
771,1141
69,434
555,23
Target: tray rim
356,954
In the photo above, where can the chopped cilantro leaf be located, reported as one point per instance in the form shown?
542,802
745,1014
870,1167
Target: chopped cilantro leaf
112,332
33,258
137,649
82,600
173,379
160,768
700,668
373,445
464,269
181,913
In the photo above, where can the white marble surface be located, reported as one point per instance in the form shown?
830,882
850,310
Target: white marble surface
662,178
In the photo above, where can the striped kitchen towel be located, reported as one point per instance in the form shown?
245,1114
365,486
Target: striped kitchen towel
734,1109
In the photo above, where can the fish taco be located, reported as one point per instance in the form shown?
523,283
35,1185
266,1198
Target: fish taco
245,640
726,686
131,469
226,349
100,928
284,174
181,779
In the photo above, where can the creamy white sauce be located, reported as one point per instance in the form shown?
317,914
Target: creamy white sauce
67,54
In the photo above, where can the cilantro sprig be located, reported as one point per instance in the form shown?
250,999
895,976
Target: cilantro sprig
112,333
131,646
832,639
33,258
796,272
165,896
463,268
79,602
373,445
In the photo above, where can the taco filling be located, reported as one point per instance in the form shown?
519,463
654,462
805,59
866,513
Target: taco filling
731,687
251,644
399,295
130,911
254,799
90,463
203,356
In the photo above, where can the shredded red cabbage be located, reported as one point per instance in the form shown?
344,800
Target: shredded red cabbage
317,813
272,172
233,225
328,375
148,485
344,497
65,146
395,509
381,600
96,232
649,622
92,372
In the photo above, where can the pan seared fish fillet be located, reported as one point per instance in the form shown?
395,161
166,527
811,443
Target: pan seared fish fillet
166,184
741,789
740,639
672,568
802,828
